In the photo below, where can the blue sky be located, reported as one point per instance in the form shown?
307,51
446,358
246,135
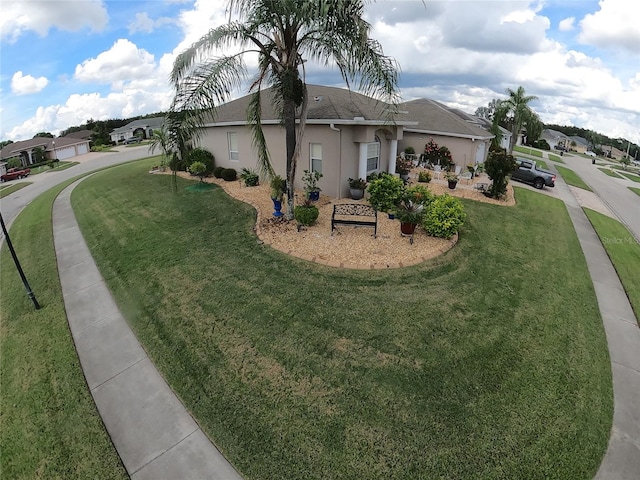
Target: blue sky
64,62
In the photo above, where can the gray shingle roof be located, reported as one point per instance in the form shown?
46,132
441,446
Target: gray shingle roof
14,149
151,122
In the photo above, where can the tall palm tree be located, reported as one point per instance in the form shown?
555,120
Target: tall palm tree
515,112
284,34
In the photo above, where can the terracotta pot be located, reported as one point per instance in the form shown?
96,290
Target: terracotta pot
408,228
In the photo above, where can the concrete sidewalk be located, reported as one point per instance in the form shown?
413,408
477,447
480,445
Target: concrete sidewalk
153,433
622,459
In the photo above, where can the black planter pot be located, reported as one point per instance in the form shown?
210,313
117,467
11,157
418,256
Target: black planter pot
452,184
314,196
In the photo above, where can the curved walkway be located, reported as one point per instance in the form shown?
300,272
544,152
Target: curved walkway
157,438
153,433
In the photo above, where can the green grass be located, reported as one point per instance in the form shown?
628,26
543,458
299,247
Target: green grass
634,190
555,158
609,172
487,362
46,168
624,252
14,187
529,151
49,427
572,178
542,164
631,176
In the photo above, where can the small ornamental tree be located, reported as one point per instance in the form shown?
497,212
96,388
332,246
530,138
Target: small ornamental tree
198,169
498,166
385,192
203,156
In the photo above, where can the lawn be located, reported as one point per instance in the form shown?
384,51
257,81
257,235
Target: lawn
542,164
49,427
634,190
631,176
528,151
487,362
572,178
555,158
624,252
46,168
609,172
13,187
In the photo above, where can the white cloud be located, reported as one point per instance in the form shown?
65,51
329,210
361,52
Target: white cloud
143,23
26,84
566,24
123,62
19,16
614,26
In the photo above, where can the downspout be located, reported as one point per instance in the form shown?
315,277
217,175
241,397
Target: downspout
335,129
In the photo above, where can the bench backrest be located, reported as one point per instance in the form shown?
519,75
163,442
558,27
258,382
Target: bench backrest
357,209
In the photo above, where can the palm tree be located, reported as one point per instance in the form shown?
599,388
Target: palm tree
515,112
284,34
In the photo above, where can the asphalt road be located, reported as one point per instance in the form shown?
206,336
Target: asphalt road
12,205
613,192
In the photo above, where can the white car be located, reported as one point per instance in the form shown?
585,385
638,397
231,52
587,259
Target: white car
591,154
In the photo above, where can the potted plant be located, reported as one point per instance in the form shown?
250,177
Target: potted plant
424,177
385,192
311,189
306,214
410,214
452,180
357,187
403,167
278,186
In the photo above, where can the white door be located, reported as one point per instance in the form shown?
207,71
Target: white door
64,153
83,148
480,152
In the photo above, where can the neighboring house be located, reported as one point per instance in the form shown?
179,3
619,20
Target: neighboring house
347,135
460,132
554,137
61,148
578,143
81,134
142,128
486,124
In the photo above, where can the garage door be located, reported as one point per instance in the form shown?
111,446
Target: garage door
64,153
83,148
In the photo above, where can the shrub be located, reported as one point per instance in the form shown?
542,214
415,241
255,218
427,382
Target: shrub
409,150
177,164
419,194
229,174
306,214
249,177
201,155
498,165
542,144
278,187
403,165
424,177
385,192
444,217
217,172
14,163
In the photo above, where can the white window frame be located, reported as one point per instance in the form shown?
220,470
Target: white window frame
234,155
373,155
313,158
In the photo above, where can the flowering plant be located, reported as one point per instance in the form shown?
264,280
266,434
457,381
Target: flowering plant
403,165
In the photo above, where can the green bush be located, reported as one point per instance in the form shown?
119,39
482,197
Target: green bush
199,169
229,174
217,172
424,177
177,164
14,163
444,216
306,214
498,166
385,192
419,194
204,156
249,177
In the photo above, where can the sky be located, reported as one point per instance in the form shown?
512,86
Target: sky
65,62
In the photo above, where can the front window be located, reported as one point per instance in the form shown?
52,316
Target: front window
373,156
233,146
315,154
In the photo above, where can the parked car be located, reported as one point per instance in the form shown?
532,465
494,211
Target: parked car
528,172
562,148
591,154
131,140
14,173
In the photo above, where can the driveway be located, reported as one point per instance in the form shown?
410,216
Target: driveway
12,205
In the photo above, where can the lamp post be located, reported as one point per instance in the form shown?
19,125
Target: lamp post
55,157
15,260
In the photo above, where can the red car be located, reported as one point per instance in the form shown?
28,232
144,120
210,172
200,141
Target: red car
14,173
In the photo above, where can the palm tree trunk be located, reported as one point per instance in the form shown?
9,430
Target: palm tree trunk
290,138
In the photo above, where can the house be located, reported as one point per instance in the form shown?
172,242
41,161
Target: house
138,128
347,135
62,148
578,144
555,138
462,133
81,134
